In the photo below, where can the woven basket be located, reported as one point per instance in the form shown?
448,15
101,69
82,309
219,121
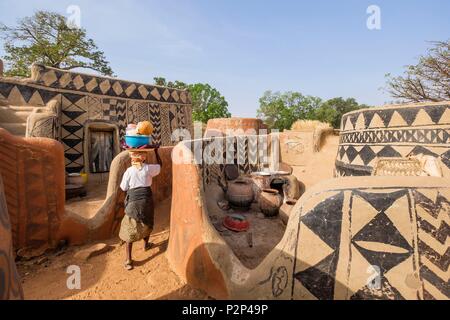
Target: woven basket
397,167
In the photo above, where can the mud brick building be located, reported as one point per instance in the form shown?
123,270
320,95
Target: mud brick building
82,110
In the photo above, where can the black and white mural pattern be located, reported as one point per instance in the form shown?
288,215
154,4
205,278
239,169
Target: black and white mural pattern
392,132
84,97
365,243
243,151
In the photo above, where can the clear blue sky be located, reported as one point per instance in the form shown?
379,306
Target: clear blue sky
245,47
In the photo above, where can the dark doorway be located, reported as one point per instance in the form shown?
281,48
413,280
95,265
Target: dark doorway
101,151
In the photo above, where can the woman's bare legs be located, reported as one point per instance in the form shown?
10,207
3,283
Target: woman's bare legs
129,261
147,244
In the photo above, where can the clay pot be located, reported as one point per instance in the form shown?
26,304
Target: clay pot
240,194
292,188
231,171
270,202
259,182
285,210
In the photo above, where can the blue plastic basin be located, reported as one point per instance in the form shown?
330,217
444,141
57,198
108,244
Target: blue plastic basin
138,141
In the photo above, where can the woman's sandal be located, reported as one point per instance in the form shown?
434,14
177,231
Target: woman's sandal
129,265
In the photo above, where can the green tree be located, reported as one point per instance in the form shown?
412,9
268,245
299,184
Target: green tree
207,102
428,80
281,110
160,81
46,38
326,113
331,111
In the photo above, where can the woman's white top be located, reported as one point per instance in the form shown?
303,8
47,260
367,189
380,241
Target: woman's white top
136,178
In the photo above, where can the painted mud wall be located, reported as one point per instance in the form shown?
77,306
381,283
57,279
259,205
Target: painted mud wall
310,152
69,100
338,229
33,176
222,125
395,131
10,286
336,232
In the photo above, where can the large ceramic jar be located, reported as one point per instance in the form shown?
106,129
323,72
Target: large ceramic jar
240,194
259,183
270,202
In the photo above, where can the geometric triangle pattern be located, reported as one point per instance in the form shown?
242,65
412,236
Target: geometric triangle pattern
324,220
353,160
393,244
93,84
372,243
85,98
319,228
365,156
381,202
350,161
381,240
392,132
409,135
433,218
73,117
319,279
155,119
397,117
404,234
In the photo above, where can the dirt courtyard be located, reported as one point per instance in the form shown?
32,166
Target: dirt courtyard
104,277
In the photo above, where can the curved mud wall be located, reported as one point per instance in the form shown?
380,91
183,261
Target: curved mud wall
187,252
394,131
106,222
336,233
33,175
10,286
82,97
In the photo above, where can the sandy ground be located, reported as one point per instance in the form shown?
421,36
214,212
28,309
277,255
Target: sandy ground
104,277
88,206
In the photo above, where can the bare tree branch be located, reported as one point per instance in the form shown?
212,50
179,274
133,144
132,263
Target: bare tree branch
429,80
